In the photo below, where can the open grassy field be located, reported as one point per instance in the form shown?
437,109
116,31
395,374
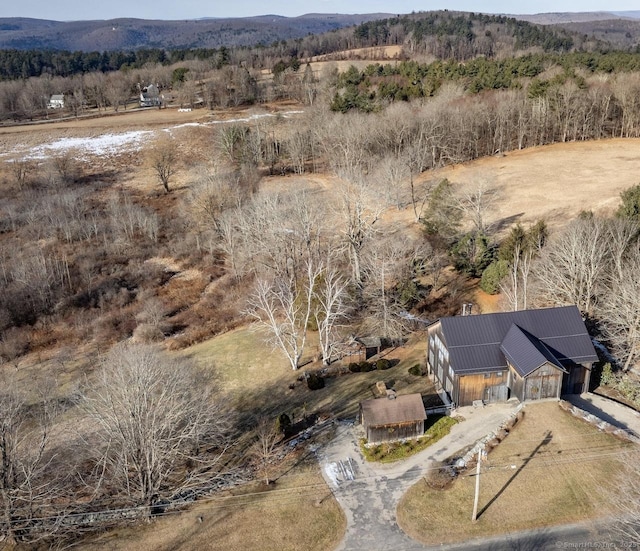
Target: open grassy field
553,182
550,470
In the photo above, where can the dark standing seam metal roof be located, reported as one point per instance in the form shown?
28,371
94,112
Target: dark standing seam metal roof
474,341
525,352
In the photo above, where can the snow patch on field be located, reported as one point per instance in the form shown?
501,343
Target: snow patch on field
107,144
115,144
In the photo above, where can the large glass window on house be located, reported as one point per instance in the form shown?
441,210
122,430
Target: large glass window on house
432,352
442,349
448,385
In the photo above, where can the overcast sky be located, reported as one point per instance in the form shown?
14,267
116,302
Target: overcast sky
67,10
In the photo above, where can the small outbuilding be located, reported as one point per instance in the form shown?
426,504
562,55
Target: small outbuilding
393,418
360,349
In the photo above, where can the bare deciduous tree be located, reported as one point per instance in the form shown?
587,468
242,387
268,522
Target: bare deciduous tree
159,426
117,90
163,159
21,169
386,264
620,312
216,190
360,211
29,485
475,203
283,308
330,293
64,168
571,267
266,448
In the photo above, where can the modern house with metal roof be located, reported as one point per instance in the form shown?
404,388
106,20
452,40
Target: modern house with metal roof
528,354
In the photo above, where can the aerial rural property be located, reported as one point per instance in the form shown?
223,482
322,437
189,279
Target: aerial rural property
319,282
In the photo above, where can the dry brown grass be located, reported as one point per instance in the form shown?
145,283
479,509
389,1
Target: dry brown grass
258,377
297,513
549,470
553,182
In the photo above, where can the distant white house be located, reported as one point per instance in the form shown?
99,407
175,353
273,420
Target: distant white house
56,102
150,96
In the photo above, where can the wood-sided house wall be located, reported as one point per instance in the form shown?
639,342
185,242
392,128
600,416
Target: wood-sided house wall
438,359
463,389
544,382
377,434
577,380
488,387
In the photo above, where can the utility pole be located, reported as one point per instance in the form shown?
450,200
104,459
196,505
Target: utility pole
477,496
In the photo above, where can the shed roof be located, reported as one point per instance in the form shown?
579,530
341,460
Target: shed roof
525,352
370,342
391,411
474,342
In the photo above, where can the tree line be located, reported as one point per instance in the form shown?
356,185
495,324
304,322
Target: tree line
445,35
451,35
378,84
21,64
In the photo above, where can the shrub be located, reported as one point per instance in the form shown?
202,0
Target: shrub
492,275
283,423
393,451
354,367
607,377
147,333
416,370
315,382
630,207
365,367
440,477
383,364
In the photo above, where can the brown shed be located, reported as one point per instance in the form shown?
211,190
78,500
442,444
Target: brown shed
393,418
360,349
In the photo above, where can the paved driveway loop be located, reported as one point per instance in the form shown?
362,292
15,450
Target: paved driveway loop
369,492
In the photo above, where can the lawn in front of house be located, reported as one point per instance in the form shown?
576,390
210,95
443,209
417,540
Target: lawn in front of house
550,470
299,511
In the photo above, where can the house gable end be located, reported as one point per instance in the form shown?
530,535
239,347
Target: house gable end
525,352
